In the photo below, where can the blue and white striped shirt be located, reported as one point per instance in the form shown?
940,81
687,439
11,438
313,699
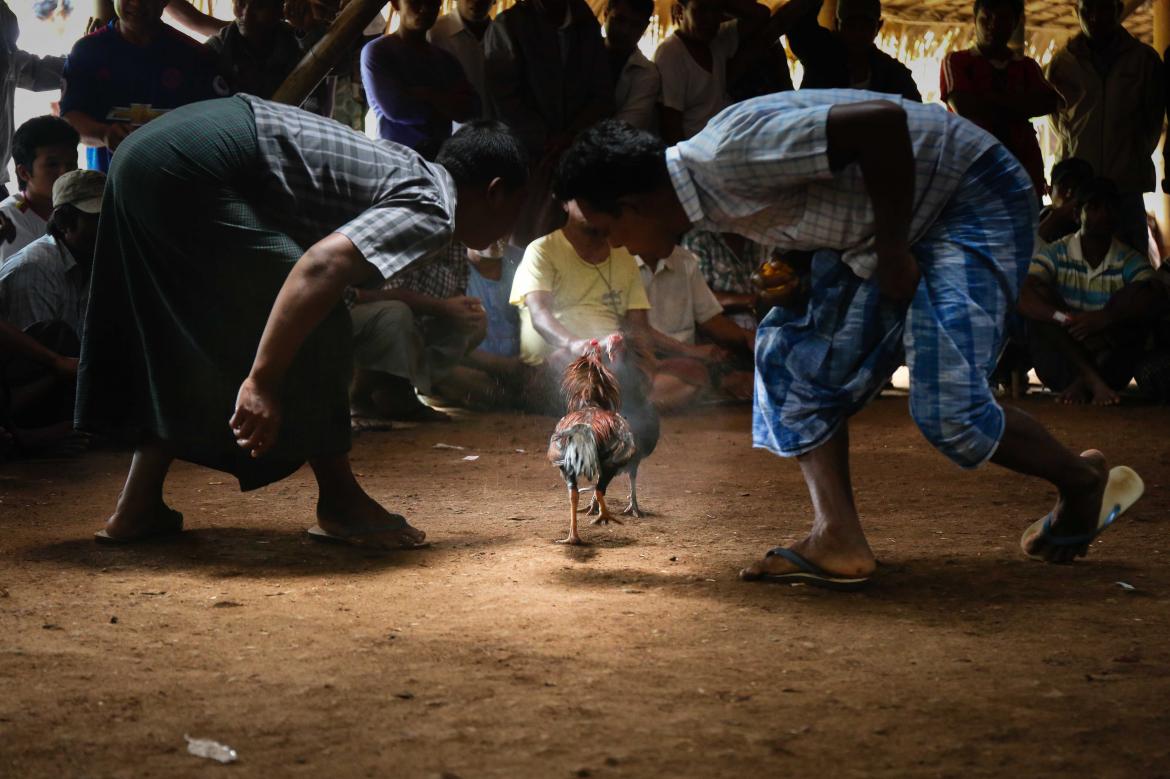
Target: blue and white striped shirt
761,169
1082,287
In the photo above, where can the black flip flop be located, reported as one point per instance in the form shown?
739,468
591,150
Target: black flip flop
171,526
810,573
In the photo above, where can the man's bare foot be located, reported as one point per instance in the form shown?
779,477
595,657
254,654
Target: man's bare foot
1103,394
359,517
132,521
845,558
1075,394
1076,513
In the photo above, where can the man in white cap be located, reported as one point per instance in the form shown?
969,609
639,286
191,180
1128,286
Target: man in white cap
48,280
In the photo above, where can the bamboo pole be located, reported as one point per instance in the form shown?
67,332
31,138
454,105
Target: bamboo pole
328,51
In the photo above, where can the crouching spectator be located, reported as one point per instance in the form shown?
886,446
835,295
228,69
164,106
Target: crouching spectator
408,336
681,305
572,287
44,290
43,148
1087,330
492,375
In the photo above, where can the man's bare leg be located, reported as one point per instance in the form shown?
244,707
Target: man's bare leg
1026,447
344,508
837,542
1091,385
141,509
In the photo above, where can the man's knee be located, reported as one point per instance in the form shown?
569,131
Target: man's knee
966,431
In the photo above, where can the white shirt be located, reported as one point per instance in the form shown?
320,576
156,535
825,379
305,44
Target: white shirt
679,296
44,283
761,169
687,87
450,35
28,223
635,97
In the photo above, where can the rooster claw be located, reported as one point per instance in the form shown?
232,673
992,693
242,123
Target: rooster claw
570,541
634,511
605,519
594,508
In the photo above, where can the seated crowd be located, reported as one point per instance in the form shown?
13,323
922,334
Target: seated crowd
495,328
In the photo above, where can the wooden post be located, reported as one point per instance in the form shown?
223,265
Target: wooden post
328,51
1161,41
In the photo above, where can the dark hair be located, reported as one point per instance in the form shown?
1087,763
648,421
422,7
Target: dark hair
1016,6
484,150
37,133
1071,172
63,219
1098,191
609,160
640,7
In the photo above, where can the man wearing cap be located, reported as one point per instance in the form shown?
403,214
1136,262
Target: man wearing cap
48,280
44,289
848,58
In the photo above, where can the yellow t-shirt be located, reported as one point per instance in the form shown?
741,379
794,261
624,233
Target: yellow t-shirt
589,300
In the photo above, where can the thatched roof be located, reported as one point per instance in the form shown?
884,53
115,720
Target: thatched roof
1056,17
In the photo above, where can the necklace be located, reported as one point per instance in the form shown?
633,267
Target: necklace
612,298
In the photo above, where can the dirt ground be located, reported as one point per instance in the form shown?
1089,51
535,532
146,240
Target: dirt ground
497,653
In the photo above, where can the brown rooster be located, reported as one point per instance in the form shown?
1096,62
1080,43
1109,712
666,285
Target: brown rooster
592,441
632,364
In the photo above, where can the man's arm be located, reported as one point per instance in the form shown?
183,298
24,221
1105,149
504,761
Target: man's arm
95,133
723,331
311,291
463,310
1039,301
15,343
558,336
37,74
193,19
876,136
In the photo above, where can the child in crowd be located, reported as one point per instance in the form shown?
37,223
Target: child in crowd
258,50
415,88
998,88
43,148
1088,330
129,72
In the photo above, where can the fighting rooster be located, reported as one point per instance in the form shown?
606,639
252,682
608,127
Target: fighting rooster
631,363
592,441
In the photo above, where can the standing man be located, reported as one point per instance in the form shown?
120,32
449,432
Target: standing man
636,80
460,34
1112,86
923,226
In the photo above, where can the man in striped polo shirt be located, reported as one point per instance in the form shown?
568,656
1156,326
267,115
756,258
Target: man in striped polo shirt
1087,331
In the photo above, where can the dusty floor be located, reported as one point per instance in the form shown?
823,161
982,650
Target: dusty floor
499,654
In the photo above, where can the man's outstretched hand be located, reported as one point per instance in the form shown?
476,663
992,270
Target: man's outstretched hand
256,422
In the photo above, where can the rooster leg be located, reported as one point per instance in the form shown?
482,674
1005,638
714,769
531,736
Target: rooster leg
633,510
594,507
604,517
573,539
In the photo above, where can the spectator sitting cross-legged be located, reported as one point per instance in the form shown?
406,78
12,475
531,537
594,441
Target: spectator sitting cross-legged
1000,89
492,375
681,304
848,58
415,88
727,262
129,72
1087,328
1112,87
257,51
1062,217
636,80
44,148
460,33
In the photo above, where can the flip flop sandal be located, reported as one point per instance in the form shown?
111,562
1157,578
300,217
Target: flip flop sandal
359,538
810,573
1121,491
171,526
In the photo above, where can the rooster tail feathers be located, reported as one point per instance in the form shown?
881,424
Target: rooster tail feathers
579,455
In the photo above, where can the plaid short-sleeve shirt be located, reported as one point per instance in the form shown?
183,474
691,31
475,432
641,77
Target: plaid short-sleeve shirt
761,169
319,177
